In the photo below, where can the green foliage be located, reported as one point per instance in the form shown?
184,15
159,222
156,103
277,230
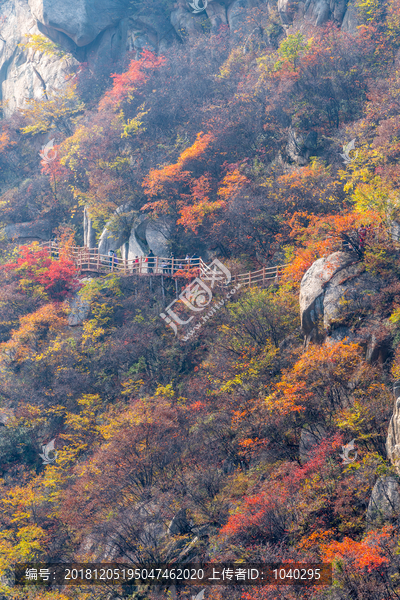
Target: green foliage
134,126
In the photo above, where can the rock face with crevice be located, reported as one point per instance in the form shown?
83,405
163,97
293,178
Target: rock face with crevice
316,12
336,302
103,31
145,235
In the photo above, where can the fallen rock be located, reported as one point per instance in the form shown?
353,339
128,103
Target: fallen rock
179,524
79,311
30,231
310,438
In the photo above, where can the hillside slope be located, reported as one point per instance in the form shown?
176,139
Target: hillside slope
267,428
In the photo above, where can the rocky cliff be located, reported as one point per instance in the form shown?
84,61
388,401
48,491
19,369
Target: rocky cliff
100,32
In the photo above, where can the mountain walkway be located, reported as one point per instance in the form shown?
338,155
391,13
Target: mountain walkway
88,260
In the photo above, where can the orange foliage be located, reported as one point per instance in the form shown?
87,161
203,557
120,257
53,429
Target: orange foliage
320,368
317,236
172,182
231,184
367,554
5,140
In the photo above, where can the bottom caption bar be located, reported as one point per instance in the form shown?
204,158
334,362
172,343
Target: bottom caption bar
303,574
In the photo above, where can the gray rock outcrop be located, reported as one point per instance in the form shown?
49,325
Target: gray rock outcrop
145,235
217,14
100,31
89,233
79,311
385,500
348,290
25,73
332,293
393,436
312,289
185,22
318,12
299,148
28,232
80,20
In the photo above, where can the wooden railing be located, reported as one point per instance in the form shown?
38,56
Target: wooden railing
90,261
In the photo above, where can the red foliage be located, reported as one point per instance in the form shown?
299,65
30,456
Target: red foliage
35,267
125,84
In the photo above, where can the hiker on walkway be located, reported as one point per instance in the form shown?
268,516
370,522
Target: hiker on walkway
111,255
54,248
136,265
187,260
195,260
150,262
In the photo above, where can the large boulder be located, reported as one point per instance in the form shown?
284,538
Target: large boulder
334,295
312,289
348,290
385,500
185,22
81,20
158,233
145,235
350,20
